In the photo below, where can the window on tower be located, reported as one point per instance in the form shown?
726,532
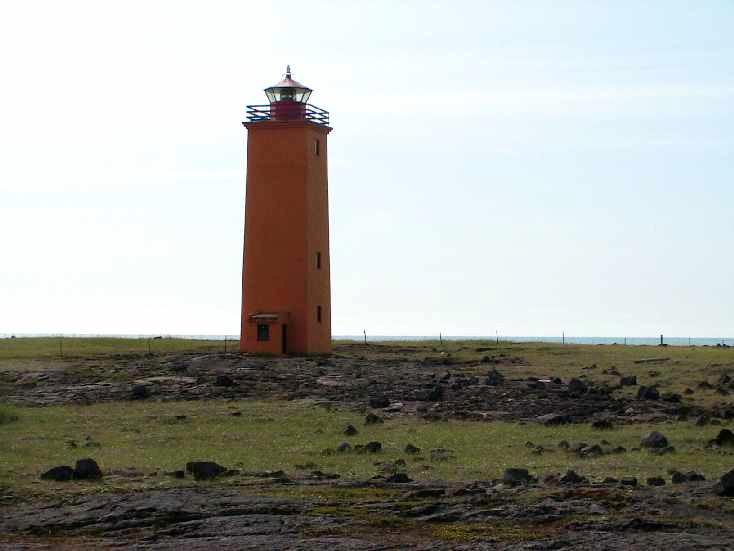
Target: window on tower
317,147
263,332
318,260
318,314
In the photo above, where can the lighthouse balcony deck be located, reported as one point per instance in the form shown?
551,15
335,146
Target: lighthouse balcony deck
307,112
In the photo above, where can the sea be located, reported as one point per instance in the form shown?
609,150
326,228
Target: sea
629,341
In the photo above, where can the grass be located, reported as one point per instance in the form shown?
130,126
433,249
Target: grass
147,437
44,348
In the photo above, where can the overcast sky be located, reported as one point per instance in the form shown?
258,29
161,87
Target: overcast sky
521,166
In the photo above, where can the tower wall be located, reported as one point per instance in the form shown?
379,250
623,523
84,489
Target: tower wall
286,227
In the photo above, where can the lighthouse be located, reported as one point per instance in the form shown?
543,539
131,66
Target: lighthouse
286,289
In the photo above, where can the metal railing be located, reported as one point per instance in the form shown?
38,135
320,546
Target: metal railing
311,113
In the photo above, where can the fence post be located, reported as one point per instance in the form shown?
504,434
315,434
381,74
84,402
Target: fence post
365,335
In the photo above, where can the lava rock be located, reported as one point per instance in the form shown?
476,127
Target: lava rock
399,478
204,470
725,487
517,477
725,438
553,419
495,378
87,469
571,477
350,430
628,481
628,380
373,447
411,449
61,473
379,402
223,380
576,387
140,392
654,440
648,393
344,447
655,481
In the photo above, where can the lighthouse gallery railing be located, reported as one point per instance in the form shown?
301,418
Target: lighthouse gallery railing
311,113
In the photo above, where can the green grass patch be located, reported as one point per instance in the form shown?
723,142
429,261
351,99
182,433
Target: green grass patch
35,348
147,437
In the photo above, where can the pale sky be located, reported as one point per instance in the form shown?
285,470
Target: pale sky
520,166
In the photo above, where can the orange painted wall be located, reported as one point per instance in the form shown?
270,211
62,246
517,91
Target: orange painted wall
286,225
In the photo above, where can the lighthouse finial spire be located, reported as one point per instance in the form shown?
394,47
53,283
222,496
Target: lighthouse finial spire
287,71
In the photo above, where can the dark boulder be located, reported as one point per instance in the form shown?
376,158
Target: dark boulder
654,439
61,473
725,439
87,469
435,394
577,387
628,380
373,447
628,481
379,402
648,393
205,470
140,392
399,478
602,424
344,447
655,481
517,477
725,487
553,419
571,477
224,380
350,430
411,449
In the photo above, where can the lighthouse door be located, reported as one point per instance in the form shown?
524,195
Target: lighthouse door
284,339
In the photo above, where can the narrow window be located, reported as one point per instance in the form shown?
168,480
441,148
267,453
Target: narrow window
263,332
318,314
318,260
317,147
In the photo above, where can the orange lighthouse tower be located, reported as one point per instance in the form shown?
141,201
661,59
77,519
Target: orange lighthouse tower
286,290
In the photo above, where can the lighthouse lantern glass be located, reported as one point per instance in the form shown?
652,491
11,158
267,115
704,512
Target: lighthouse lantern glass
295,94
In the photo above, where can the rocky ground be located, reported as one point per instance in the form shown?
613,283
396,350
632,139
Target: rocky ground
275,511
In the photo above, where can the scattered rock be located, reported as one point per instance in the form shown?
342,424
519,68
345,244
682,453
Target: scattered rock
140,392
571,477
725,487
350,430
412,450
344,447
61,473
204,470
654,439
87,469
495,378
655,481
564,445
648,393
517,477
399,478
373,447
725,439
576,387
553,419
379,402
602,424
628,380
628,481
223,380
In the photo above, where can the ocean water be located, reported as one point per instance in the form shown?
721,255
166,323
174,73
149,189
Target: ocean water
629,341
